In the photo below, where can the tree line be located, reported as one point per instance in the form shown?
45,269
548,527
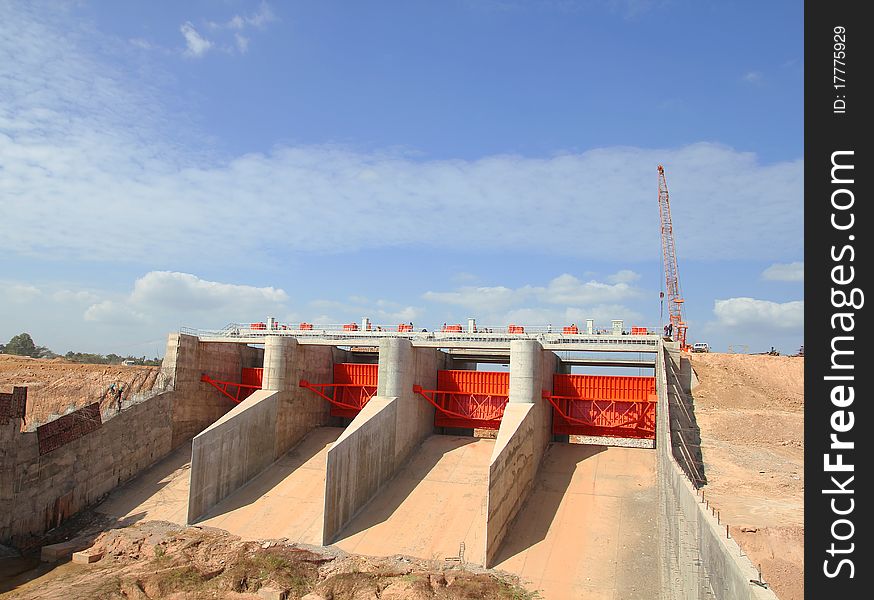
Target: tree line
23,345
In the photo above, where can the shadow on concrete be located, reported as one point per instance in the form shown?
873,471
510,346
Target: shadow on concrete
149,483
315,442
536,516
685,432
393,494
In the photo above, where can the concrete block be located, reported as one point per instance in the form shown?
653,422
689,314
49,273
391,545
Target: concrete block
272,593
61,551
86,557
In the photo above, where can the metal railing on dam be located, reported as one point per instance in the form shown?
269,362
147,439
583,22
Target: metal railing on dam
599,342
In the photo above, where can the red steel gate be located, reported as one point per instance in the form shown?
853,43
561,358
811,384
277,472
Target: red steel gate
468,399
250,380
354,384
603,405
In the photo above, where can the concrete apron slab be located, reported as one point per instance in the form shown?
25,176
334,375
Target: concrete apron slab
436,502
590,526
285,500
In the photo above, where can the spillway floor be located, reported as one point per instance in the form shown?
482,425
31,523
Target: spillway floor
590,527
436,502
286,500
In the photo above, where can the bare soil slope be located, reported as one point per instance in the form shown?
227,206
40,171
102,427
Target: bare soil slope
750,411
55,386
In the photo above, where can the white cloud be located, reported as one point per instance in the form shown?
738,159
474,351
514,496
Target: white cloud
195,44
476,297
564,289
753,77
113,313
184,291
161,295
262,17
563,300
75,297
380,312
623,276
784,272
242,43
86,150
20,293
141,43
750,314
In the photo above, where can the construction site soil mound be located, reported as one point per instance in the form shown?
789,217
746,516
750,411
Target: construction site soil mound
750,409
156,559
57,386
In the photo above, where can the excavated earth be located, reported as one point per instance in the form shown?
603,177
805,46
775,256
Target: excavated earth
750,409
57,386
156,559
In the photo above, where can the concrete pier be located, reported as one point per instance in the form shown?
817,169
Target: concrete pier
259,430
525,433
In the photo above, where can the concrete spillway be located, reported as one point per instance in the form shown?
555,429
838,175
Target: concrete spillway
286,500
587,521
440,495
589,528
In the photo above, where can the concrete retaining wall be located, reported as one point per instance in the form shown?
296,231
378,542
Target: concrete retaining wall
199,404
231,451
258,431
699,561
359,463
525,433
40,492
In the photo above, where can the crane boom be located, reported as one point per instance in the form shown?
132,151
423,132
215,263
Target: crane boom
672,275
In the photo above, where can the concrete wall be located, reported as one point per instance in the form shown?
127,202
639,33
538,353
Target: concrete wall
258,431
39,492
699,561
360,462
525,433
231,451
198,404
383,435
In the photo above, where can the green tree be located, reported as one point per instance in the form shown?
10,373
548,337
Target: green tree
22,345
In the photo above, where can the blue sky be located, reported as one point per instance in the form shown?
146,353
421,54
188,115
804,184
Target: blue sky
166,164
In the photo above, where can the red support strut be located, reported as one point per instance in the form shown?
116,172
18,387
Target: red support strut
225,386
354,394
465,410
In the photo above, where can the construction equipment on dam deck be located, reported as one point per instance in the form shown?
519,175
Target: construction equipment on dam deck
672,274
449,332
603,405
353,386
250,380
468,399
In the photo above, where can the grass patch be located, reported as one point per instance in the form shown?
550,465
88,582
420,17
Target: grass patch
183,579
280,565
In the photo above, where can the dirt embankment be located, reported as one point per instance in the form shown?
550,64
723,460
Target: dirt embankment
750,409
156,559
55,386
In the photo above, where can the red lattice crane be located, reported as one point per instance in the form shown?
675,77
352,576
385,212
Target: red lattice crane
672,275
